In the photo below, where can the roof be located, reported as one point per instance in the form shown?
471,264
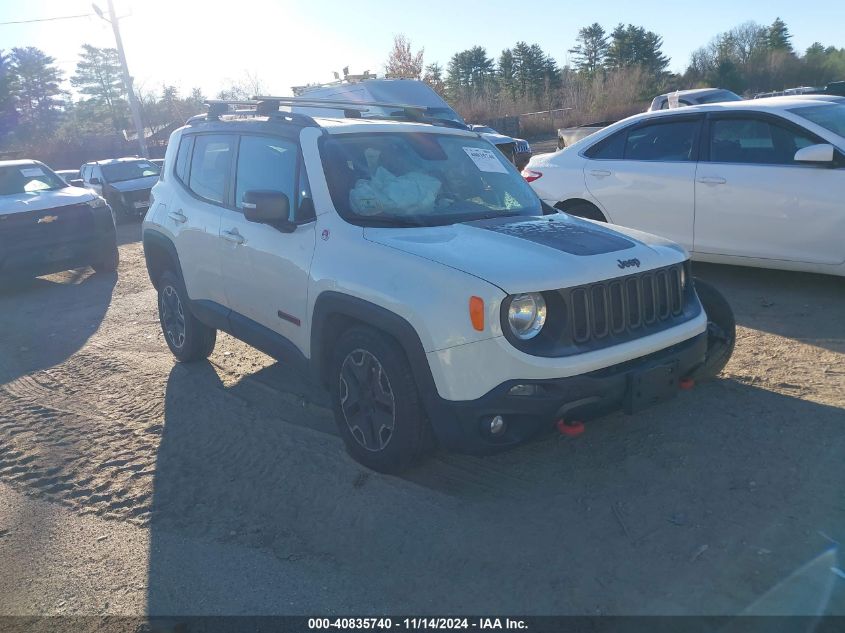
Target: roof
19,162
694,91
112,161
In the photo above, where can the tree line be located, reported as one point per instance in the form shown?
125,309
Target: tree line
36,106
617,70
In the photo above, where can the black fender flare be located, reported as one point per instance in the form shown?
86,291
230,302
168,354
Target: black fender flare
337,304
153,240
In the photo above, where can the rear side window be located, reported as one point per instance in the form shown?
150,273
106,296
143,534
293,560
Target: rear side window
754,141
664,141
211,163
266,163
611,148
183,158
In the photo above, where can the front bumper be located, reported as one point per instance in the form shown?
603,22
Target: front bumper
459,425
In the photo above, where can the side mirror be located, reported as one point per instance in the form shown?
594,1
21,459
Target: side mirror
821,153
268,207
96,181
76,182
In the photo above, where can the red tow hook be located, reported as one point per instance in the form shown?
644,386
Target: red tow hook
686,383
572,429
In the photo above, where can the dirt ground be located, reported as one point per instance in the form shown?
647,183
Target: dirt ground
713,503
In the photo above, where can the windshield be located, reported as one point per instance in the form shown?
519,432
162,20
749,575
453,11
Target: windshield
422,179
129,170
830,116
719,97
20,179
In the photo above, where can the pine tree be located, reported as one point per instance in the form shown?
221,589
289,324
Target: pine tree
98,76
37,83
589,52
778,36
8,112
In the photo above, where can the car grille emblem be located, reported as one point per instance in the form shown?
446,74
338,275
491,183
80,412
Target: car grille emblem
47,219
627,263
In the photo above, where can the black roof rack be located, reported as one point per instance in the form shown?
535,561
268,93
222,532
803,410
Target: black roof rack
269,106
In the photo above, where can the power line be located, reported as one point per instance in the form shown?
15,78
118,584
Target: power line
64,17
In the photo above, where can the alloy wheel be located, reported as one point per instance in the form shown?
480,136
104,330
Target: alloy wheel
367,400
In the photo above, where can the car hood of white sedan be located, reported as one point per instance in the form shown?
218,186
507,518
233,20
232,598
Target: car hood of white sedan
38,201
524,254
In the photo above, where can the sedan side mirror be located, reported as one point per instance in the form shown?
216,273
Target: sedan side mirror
268,207
76,182
96,181
821,153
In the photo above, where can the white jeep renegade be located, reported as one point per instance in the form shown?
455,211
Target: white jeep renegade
413,272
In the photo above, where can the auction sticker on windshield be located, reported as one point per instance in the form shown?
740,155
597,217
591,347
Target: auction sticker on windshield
485,159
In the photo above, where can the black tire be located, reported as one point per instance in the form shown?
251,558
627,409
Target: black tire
187,338
371,382
721,331
109,263
583,210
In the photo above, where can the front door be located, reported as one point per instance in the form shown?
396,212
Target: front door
265,270
753,200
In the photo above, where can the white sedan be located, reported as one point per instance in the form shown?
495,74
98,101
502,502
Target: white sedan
753,183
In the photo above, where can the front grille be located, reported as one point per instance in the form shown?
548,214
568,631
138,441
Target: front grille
627,307
522,147
37,229
140,195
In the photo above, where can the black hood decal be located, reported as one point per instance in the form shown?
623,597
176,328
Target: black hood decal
570,236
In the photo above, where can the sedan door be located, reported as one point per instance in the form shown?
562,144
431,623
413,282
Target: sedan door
644,176
754,200
265,270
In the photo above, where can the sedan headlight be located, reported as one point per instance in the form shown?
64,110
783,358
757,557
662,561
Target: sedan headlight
97,202
527,315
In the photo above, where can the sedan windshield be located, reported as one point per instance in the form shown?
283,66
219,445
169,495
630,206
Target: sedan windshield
32,178
830,116
129,170
415,179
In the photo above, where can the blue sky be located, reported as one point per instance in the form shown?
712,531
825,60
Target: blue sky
190,43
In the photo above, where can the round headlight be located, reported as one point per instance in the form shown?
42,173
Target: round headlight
527,315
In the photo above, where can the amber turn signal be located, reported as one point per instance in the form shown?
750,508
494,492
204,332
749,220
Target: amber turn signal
476,313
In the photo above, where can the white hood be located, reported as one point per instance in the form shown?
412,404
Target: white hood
38,201
534,254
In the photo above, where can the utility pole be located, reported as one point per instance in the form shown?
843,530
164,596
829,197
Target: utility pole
134,106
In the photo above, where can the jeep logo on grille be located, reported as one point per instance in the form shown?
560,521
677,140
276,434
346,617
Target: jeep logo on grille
627,263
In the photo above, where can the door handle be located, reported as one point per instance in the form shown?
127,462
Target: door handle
233,236
178,216
711,180
600,173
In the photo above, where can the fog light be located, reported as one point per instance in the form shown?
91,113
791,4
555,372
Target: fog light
524,390
497,425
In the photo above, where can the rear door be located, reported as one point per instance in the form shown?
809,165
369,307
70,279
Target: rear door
644,176
266,271
203,171
754,200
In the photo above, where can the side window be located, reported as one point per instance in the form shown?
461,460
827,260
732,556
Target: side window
183,158
83,173
663,141
210,166
611,148
268,163
755,142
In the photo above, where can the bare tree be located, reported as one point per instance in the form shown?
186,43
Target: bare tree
402,61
